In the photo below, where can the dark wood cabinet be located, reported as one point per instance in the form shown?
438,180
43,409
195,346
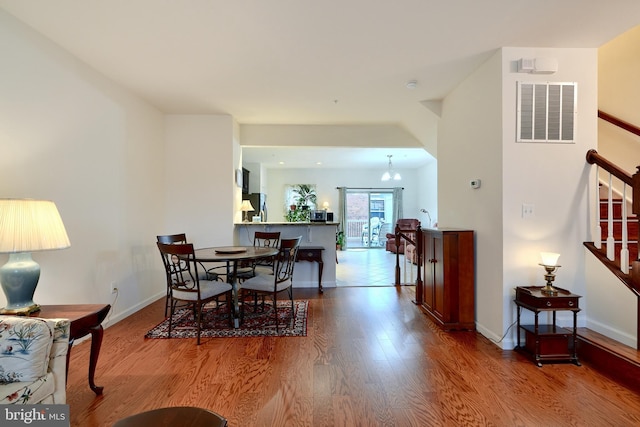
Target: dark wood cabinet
446,281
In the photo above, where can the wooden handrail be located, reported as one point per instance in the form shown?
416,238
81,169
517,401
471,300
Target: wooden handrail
594,158
633,181
619,123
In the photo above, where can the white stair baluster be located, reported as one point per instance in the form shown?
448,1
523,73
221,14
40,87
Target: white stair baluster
624,252
610,240
597,238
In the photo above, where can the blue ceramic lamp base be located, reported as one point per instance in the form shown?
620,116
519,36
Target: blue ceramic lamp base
19,279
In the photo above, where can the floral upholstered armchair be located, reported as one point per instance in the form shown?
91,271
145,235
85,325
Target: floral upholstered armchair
33,360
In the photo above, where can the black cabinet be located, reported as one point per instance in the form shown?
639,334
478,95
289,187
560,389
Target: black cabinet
245,181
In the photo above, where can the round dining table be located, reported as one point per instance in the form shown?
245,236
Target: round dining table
231,255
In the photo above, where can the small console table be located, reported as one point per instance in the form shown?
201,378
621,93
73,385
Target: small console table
312,254
84,319
548,343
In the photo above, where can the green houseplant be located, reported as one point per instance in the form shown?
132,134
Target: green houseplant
305,199
306,196
340,240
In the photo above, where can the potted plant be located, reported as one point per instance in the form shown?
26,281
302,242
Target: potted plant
340,240
306,195
305,200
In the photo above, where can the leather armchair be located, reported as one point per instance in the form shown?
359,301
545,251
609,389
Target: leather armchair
406,224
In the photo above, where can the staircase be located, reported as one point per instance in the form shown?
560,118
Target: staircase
632,228
610,357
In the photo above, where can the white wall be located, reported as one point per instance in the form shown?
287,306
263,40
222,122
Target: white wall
202,198
327,135
470,147
615,312
619,95
327,181
427,197
69,135
552,177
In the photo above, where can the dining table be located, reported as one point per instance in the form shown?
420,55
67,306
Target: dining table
232,255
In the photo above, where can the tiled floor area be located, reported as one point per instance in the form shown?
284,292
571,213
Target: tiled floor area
367,267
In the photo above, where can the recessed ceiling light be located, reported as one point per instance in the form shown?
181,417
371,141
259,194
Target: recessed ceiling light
412,84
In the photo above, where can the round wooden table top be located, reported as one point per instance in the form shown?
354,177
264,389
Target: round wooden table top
233,253
179,416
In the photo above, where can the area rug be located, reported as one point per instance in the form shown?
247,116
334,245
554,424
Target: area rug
216,323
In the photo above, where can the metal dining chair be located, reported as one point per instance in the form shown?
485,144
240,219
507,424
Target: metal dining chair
280,280
264,239
205,273
185,284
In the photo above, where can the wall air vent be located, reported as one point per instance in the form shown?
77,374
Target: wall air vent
546,112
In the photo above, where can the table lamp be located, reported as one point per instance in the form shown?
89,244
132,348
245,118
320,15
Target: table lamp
246,207
26,226
550,264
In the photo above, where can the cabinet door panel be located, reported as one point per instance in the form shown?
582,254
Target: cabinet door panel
427,293
438,277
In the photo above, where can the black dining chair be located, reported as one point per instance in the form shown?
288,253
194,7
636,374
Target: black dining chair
205,273
264,239
185,284
279,280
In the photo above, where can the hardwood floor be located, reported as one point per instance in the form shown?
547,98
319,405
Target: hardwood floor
371,358
367,267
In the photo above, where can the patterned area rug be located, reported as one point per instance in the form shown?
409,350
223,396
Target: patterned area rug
216,323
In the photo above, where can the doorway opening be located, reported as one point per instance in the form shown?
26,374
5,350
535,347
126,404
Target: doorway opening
369,217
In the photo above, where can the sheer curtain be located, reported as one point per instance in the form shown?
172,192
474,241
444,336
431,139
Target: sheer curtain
397,203
342,207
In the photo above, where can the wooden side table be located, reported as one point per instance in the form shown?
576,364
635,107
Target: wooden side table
548,343
85,319
313,254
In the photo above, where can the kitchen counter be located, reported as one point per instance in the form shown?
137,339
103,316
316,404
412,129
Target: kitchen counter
305,274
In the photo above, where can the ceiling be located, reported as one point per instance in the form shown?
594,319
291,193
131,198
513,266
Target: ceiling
304,62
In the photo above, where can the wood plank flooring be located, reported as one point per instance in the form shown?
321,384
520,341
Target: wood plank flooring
371,358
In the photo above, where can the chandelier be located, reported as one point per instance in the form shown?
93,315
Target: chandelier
389,174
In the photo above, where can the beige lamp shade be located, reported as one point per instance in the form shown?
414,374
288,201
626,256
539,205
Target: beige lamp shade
246,206
30,225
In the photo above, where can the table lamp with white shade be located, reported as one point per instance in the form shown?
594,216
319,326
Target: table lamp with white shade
245,208
26,226
550,264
